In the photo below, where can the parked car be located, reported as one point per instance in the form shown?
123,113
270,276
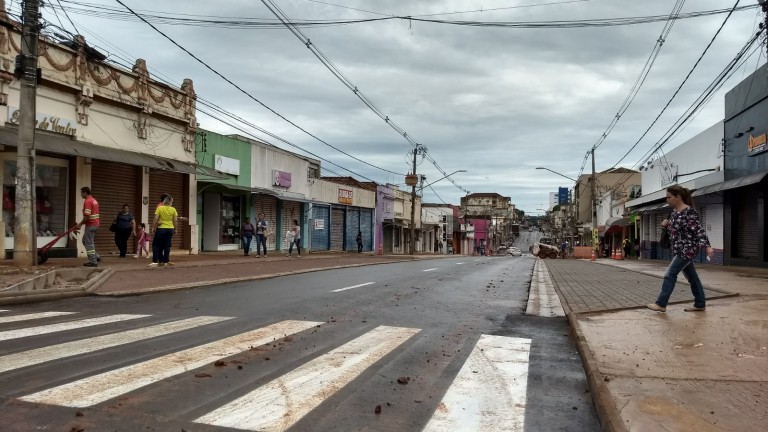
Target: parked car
514,251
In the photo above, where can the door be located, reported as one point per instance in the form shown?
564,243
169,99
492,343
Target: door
745,224
173,184
352,227
291,211
211,212
267,204
321,226
337,228
113,185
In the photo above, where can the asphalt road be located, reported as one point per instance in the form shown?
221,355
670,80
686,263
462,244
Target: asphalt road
437,345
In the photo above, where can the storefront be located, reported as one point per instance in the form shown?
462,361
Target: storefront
113,185
52,198
223,215
320,224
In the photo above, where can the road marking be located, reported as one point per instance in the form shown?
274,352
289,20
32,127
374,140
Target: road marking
459,263
99,388
3,310
71,325
543,299
489,392
428,270
279,404
477,260
26,317
69,349
353,287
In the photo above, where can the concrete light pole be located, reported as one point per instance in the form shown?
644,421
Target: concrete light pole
25,230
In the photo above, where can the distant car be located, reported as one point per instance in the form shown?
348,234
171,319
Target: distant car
514,251
502,250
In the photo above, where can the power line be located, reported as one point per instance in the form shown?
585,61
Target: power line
220,75
680,86
348,83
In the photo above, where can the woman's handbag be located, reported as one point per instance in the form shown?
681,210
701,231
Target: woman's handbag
665,241
113,227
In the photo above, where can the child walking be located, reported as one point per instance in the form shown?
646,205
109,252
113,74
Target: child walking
142,239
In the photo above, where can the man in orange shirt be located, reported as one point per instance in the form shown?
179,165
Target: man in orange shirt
91,223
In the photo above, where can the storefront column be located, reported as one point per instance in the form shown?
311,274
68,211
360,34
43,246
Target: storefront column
194,229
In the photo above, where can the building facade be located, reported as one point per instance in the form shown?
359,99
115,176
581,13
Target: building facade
126,136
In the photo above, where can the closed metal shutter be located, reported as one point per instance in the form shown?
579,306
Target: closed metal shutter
366,227
745,225
353,226
337,228
321,237
291,211
113,185
657,252
267,204
173,184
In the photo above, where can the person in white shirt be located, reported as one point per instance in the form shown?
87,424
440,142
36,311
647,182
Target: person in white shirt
296,230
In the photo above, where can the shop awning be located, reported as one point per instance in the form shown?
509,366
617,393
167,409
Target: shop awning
732,184
62,144
650,207
208,184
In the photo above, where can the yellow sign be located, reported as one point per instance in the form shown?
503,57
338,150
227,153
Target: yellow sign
345,196
757,144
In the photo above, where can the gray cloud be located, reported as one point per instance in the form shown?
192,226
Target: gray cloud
496,102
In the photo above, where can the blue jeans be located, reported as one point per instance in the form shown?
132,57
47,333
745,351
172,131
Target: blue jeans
261,239
297,242
161,245
247,244
685,265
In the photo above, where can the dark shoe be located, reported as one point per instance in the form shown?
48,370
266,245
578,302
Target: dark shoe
655,307
98,259
695,309
90,264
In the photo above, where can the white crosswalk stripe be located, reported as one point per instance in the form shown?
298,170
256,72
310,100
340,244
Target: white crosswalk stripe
310,384
70,325
99,388
69,349
489,393
25,317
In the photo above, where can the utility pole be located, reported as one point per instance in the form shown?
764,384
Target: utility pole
594,201
25,231
764,4
412,245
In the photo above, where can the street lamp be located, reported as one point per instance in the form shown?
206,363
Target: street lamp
555,172
442,178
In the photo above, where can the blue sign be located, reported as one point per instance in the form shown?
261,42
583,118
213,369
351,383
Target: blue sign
563,196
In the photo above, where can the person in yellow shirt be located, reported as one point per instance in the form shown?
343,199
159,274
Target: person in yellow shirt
166,220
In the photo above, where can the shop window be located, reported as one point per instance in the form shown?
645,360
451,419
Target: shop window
50,205
230,220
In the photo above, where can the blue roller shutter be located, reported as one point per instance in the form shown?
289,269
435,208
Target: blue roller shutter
321,238
366,227
353,226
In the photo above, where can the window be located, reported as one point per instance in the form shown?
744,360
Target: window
50,204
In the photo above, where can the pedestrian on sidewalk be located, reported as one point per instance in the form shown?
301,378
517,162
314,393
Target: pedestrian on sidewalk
262,228
359,241
166,220
91,223
687,235
295,238
125,226
142,238
247,231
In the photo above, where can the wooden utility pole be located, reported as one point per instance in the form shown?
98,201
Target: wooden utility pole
592,182
25,230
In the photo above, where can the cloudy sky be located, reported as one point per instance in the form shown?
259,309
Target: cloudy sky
496,101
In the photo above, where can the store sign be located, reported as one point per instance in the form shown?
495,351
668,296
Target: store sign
281,178
757,144
226,165
46,122
319,224
345,196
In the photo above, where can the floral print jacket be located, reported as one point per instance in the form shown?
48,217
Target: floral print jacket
686,233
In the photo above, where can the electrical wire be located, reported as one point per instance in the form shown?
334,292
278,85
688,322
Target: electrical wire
272,7
706,49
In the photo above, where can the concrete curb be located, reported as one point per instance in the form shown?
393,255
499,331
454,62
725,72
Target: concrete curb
607,411
93,284
37,296
202,284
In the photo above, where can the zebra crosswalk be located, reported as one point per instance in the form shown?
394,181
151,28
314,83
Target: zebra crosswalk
488,393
